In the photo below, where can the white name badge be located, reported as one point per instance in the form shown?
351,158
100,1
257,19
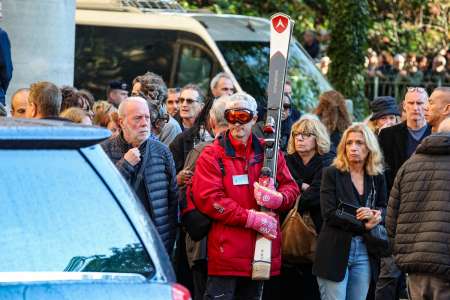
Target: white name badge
240,179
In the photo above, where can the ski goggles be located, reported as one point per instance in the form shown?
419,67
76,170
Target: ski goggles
240,115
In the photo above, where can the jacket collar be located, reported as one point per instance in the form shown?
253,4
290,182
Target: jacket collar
435,144
225,141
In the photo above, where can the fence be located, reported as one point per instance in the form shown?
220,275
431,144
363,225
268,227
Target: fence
377,86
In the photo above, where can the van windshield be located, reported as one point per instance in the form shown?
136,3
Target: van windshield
249,62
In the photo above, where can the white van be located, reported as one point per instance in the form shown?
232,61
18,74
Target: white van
120,39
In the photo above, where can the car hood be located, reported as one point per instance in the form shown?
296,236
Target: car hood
80,286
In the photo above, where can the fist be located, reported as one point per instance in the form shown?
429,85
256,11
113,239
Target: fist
264,223
184,177
267,196
133,156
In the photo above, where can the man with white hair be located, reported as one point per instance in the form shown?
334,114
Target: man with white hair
221,84
147,165
225,188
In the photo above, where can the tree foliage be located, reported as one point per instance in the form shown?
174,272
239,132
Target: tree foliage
349,25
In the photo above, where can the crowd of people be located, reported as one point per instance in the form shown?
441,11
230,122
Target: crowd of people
194,160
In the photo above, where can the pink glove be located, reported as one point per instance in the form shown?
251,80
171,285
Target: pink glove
267,196
263,223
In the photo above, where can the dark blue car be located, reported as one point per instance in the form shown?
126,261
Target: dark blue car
70,227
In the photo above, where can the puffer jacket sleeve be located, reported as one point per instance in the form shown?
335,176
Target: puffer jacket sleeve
393,206
125,168
208,191
286,184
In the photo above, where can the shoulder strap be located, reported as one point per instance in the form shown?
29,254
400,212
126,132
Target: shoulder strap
140,173
221,165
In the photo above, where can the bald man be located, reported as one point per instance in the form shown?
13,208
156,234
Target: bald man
438,107
19,103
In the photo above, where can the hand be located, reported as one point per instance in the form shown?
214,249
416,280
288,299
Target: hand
184,177
133,156
262,222
305,186
371,217
267,196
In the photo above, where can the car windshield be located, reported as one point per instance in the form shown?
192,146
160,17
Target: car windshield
249,62
58,215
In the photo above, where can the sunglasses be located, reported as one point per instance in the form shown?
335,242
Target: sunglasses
286,106
241,116
303,135
188,100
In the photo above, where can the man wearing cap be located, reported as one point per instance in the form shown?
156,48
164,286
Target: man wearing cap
385,113
116,92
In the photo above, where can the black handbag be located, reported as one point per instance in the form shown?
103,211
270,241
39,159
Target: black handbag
376,240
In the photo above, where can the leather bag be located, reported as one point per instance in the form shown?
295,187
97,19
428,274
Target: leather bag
298,237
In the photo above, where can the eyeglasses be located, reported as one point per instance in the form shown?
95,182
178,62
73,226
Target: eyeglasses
226,89
188,100
416,89
241,116
303,135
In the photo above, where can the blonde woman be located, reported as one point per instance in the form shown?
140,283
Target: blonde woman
343,266
308,153
76,115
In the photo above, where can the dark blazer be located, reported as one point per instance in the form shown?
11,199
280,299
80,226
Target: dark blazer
333,245
394,142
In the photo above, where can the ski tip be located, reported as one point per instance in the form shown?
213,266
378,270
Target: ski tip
280,22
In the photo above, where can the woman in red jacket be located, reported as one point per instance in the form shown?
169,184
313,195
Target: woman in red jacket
225,187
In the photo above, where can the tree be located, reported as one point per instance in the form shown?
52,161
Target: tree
349,26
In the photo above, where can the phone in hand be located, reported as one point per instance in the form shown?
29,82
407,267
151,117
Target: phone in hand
348,208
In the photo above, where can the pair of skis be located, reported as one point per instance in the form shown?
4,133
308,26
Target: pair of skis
281,27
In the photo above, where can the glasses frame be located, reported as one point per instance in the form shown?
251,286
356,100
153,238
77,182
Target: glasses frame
304,135
189,101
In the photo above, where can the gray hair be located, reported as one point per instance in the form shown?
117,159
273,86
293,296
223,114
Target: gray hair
445,126
216,79
124,103
244,97
217,111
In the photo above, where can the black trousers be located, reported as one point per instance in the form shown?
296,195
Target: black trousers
199,276
233,288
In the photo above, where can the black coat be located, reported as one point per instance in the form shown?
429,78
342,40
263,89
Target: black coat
6,66
310,174
333,245
394,143
418,216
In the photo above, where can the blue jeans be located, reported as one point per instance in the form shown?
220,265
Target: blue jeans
357,277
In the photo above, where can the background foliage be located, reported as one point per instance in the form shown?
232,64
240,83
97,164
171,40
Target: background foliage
398,26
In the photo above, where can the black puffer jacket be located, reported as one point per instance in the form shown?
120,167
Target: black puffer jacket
418,215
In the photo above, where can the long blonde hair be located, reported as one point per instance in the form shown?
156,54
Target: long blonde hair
374,161
315,127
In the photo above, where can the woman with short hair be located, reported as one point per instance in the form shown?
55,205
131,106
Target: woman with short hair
355,183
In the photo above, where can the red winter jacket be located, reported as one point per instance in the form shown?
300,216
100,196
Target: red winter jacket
231,246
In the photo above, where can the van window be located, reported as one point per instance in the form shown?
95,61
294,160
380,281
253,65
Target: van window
249,62
58,215
108,53
195,66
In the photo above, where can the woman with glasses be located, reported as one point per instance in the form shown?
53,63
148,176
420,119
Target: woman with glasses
308,153
352,197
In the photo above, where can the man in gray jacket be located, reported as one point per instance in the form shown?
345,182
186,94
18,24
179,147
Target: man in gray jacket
147,165
418,217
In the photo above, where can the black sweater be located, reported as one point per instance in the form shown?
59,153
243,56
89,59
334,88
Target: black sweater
310,174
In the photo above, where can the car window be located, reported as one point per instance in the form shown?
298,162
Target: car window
194,66
58,215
